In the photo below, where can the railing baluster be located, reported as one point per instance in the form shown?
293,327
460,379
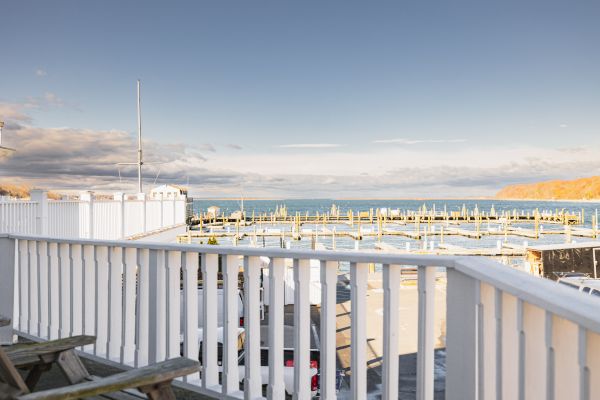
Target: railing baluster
190,307
328,329
102,299
499,342
115,303
426,317
510,341
53,291
302,326
276,388
89,292
33,279
252,379
142,309
230,325
130,317
210,372
358,283
391,327
462,336
76,285
157,307
64,254
23,285
584,372
548,342
521,350
173,303
42,287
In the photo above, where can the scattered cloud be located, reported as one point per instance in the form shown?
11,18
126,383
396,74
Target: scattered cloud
310,146
67,158
234,146
13,112
417,141
20,112
48,100
40,72
574,150
207,147
563,126
75,159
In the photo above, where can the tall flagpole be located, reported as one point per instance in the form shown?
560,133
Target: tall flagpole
139,120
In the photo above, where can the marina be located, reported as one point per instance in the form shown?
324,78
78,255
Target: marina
505,233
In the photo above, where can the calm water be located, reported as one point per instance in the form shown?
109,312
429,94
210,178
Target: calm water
324,205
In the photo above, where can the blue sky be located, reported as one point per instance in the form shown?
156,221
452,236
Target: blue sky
293,98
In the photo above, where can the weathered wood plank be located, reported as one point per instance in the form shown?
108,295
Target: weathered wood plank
20,354
72,367
142,377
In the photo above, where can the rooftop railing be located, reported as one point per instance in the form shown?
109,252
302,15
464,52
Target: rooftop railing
509,335
89,217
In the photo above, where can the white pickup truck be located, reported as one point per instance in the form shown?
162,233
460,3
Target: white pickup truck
288,369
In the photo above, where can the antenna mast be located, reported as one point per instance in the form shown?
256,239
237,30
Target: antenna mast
139,121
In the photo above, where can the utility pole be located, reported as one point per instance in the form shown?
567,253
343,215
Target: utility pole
139,121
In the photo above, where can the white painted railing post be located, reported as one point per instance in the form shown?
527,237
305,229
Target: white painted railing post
7,287
252,379
425,353
41,198
230,325
130,267
157,306
328,328
88,216
120,198
174,211
301,329
358,282
462,337
190,309
210,372
142,196
391,324
162,211
276,388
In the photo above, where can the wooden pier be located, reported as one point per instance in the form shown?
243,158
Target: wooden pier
426,226
401,217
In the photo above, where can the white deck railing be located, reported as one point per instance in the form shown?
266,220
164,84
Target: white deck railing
90,218
509,335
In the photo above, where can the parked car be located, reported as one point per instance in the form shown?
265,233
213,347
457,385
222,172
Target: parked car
582,283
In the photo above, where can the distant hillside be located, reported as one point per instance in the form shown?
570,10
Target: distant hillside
578,189
21,191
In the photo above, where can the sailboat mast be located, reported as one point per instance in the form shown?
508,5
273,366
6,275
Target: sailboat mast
139,121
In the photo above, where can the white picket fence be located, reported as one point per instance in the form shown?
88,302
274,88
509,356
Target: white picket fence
509,335
90,218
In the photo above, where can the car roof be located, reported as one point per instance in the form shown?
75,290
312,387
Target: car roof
582,281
